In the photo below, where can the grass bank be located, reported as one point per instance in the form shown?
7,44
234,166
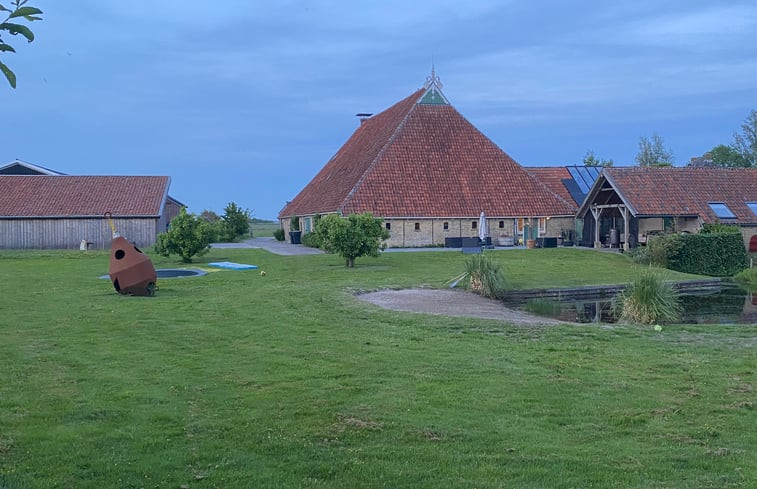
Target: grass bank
235,379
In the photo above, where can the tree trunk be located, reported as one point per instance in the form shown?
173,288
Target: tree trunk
350,262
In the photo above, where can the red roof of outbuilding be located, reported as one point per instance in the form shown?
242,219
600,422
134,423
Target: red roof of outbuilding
685,191
82,196
420,159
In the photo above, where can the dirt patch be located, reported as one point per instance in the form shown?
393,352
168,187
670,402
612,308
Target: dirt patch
450,302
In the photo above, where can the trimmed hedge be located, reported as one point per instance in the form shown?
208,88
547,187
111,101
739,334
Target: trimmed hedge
714,254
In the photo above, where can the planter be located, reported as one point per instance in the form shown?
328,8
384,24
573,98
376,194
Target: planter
295,237
530,243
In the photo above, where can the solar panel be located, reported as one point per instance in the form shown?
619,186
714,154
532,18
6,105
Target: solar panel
721,210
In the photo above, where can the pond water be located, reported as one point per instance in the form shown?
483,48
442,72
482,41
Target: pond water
729,305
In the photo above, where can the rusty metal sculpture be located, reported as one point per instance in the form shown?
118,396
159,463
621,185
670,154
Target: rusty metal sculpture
131,271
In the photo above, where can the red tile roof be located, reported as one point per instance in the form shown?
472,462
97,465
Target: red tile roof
686,191
552,177
423,160
82,196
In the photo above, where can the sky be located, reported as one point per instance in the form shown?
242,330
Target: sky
246,101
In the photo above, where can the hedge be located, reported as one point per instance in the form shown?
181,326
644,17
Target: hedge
714,254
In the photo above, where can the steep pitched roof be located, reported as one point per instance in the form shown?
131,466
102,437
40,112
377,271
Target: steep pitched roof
82,196
421,158
682,191
18,167
553,177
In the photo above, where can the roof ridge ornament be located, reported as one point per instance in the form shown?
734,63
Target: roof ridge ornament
433,86
433,80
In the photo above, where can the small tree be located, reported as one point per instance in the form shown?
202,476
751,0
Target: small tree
19,10
590,159
357,235
236,221
654,152
187,236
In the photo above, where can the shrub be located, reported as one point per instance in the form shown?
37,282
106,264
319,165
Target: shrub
660,248
719,228
357,235
747,278
312,240
716,254
640,255
278,234
486,277
187,236
648,300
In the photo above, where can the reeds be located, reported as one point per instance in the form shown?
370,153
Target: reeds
648,300
486,276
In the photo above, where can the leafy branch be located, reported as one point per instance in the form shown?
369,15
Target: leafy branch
19,10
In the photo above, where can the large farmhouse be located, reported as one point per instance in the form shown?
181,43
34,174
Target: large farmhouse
429,173
638,202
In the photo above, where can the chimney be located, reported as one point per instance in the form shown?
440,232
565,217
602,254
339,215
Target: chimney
363,117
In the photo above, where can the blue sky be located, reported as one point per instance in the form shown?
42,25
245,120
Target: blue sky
246,101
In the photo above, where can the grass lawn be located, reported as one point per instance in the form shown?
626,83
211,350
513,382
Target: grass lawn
260,229
237,380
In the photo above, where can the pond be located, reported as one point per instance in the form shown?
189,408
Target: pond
728,304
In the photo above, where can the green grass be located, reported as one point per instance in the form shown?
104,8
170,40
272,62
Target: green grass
238,380
261,229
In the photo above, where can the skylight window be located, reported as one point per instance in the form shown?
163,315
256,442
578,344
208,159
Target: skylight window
721,210
753,207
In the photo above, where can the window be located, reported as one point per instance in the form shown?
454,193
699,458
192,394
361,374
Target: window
502,224
541,223
446,226
721,210
753,207
388,226
417,226
474,224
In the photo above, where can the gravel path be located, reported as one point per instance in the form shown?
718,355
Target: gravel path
450,302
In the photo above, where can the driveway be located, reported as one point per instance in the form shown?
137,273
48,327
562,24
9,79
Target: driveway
272,245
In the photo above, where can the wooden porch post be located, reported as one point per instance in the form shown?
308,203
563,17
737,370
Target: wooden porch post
596,212
626,228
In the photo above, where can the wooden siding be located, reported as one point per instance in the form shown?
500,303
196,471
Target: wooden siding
68,233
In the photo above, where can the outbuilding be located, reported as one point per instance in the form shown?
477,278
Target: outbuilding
62,211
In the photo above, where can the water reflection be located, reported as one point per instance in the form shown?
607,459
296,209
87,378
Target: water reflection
729,305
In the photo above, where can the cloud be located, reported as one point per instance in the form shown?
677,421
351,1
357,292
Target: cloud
715,25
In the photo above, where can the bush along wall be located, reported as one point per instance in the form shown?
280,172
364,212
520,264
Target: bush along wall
715,254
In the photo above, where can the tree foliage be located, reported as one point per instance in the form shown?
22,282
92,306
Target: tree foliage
187,236
590,159
653,152
18,11
742,153
727,156
746,142
236,221
352,237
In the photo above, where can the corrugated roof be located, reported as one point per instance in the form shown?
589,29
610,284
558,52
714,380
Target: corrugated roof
686,191
424,160
82,196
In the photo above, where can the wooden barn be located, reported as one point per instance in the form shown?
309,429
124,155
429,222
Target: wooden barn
61,211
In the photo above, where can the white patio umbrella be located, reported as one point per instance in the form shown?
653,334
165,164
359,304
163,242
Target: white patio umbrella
482,231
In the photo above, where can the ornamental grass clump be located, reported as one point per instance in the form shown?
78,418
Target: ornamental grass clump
486,276
648,300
